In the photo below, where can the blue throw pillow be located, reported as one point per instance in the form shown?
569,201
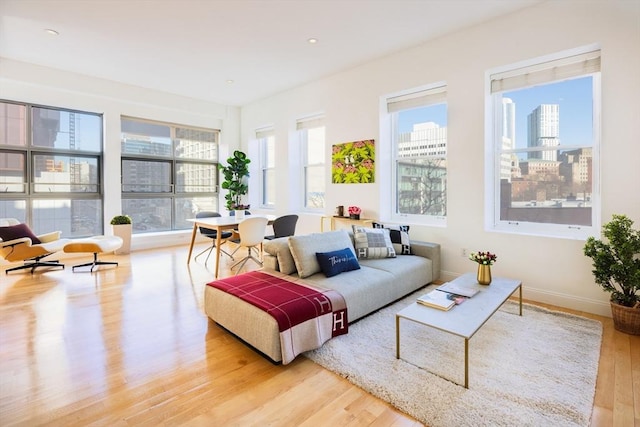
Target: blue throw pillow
336,262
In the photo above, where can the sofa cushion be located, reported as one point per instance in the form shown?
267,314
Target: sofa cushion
18,231
280,249
304,248
336,262
399,235
373,242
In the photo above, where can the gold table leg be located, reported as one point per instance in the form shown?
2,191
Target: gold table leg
397,337
466,363
520,287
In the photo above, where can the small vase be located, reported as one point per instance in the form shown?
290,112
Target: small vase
484,274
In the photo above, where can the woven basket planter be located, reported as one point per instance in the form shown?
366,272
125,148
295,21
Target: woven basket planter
626,319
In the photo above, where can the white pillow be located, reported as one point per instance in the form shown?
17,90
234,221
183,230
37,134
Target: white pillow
304,248
280,249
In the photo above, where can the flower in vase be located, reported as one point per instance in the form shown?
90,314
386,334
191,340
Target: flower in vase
484,258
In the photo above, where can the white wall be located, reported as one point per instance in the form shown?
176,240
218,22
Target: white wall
24,82
552,270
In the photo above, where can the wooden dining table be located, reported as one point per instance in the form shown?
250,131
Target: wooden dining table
219,224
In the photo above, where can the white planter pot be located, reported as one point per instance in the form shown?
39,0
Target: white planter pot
124,232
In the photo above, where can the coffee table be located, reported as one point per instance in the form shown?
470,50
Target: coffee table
465,319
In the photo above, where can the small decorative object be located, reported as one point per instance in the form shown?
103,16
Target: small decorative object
616,268
354,212
121,226
485,260
340,210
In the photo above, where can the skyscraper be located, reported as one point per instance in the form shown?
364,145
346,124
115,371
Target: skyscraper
543,126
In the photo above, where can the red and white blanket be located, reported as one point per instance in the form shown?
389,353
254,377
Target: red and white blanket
307,316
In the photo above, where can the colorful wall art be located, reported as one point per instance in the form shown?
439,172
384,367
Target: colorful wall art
353,162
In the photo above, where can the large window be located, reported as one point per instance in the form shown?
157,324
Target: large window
311,132
51,168
419,155
169,173
544,143
267,142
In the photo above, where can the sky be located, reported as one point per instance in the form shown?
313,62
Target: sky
574,97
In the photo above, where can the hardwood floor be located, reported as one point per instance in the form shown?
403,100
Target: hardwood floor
132,346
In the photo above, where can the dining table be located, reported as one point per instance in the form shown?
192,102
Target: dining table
219,224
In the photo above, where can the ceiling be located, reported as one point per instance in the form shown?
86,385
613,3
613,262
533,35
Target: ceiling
195,48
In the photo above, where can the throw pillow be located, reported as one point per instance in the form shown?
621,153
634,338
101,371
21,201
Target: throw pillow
336,262
399,235
18,231
280,249
304,248
373,242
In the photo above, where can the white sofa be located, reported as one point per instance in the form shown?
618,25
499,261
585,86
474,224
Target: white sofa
376,284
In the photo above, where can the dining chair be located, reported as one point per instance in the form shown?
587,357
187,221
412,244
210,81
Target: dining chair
250,235
213,234
283,226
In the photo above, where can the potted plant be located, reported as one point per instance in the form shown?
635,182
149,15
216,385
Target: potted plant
235,182
121,225
616,268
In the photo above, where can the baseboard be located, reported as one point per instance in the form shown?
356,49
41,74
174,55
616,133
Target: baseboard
573,302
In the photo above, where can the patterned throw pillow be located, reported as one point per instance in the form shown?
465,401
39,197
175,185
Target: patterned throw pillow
373,242
336,262
399,237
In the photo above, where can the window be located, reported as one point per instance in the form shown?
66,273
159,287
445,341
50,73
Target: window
419,155
169,173
267,142
51,168
544,147
312,139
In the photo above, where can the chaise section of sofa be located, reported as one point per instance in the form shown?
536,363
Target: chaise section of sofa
377,283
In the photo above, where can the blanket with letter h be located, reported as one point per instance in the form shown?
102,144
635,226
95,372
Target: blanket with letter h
307,316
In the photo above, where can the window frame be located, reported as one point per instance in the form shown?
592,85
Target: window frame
31,199
264,137
174,195
494,150
391,106
303,126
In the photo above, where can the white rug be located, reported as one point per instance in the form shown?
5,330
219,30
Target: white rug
536,370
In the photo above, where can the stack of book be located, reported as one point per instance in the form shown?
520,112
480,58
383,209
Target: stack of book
446,296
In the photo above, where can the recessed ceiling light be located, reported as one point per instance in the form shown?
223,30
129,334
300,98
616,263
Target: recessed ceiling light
51,32
230,81
312,41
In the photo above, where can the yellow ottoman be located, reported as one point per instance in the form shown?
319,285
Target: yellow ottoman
94,245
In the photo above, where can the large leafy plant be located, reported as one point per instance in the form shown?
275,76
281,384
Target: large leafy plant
235,175
616,262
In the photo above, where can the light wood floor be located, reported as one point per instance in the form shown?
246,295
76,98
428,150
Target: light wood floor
131,346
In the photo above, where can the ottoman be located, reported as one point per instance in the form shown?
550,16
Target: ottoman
94,245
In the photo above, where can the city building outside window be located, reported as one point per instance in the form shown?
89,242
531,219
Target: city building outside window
311,133
267,143
169,173
419,155
51,168
543,147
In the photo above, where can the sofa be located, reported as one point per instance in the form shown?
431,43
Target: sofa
378,280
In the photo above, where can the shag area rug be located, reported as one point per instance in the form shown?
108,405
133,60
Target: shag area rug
536,370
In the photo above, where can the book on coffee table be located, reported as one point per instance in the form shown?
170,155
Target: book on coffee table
436,299
454,288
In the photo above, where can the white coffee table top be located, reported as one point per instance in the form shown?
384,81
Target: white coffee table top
465,319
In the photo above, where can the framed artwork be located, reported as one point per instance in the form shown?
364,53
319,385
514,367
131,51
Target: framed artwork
353,162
